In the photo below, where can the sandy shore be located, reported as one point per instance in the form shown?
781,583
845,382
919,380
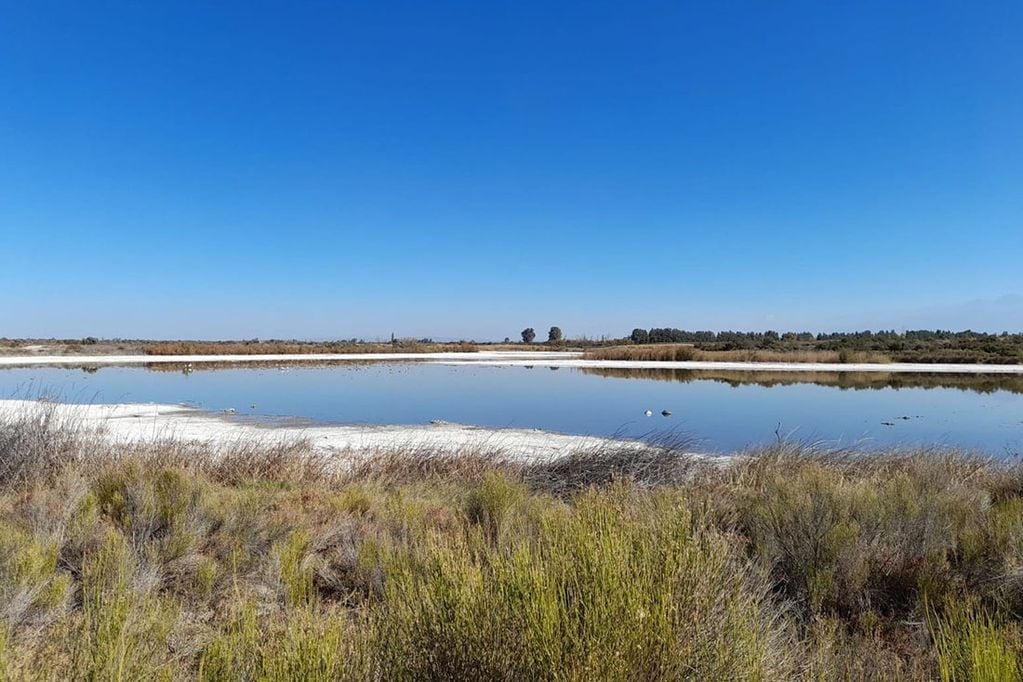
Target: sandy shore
512,359
153,422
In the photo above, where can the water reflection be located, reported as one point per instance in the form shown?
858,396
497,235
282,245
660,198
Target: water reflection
724,410
977,383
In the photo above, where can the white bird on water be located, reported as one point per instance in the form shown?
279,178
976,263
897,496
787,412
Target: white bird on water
649,413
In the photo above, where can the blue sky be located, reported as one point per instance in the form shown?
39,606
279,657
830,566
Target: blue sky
338,169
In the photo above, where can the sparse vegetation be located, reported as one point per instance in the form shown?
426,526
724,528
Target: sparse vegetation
173,561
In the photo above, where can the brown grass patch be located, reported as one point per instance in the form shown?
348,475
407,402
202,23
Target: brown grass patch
298,347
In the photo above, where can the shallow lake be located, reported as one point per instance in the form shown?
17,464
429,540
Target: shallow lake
722,411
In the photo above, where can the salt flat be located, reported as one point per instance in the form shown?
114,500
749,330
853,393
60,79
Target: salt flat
128,422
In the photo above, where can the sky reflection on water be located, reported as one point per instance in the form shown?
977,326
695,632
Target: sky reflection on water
724,412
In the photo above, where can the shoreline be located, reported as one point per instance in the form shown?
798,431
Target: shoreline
153,422
567,359
492,356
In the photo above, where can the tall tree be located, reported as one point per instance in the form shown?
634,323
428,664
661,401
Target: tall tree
528,334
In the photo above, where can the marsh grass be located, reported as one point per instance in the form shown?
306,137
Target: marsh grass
168,561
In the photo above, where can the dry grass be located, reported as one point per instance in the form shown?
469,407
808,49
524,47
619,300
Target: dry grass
688,352
299,347
251,347
172,561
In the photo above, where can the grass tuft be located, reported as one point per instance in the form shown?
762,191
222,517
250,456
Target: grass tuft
974,645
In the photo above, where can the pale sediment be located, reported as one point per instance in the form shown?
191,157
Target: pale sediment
127,423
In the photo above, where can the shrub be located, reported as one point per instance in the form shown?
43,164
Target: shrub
294,645
850,543
32,591
124,626
614,588
490,504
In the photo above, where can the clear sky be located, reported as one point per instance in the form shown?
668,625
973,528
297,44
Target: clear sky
339,169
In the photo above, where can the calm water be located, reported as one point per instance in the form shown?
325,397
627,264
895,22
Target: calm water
722,412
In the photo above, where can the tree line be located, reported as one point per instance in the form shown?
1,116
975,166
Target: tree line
673,335
914,345
917,345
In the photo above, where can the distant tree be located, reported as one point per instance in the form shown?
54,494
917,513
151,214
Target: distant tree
554,335
507,339
639,336
528,334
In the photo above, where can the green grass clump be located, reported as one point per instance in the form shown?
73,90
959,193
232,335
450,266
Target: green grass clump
296,574
30,585
974,645
122,631
299,644
490,504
